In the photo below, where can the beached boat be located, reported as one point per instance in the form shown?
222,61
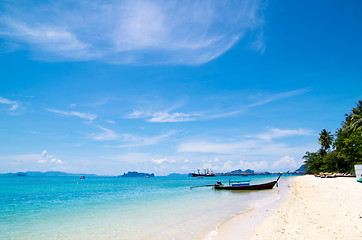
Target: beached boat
245,185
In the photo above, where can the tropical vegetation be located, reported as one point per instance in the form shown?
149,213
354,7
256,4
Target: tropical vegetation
339,152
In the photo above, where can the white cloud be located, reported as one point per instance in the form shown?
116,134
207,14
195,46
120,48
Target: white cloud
185,168
138,141
42,158
14,105
42,161
130,31
169,115
163,160
130,157
209,147
21,157
46,158
44,154
259,43
173,117
165,116
228,166
105,135
262,144
280,133
261,99
48,38
222,166
255,165
87,116
275,97
285,162
137,114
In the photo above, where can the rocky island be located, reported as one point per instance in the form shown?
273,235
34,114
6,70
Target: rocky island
137,174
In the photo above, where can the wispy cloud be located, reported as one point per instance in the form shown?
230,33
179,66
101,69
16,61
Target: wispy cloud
41,158
163,160
209,147
14,105
105,135
131,141
48,39
280,133
171,115
21,157
260,144
129,31
259,43
260,100
279,96
87,116
174,117
130,157
164,116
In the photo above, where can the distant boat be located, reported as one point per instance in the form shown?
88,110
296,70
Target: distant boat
81,177
207,173
245,185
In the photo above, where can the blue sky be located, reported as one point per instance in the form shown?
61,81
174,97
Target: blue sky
108,87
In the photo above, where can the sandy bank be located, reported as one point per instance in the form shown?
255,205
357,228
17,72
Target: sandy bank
329,208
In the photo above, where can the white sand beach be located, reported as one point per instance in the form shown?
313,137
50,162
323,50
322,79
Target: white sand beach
315,208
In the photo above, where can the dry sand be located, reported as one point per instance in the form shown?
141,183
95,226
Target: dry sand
315,208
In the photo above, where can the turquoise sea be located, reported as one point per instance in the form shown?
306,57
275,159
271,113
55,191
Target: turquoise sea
121,208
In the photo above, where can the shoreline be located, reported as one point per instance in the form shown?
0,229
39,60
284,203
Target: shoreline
314,208
240,225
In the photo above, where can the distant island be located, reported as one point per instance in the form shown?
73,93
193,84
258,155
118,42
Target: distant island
137,174
47,174
241,171
302,168
178,175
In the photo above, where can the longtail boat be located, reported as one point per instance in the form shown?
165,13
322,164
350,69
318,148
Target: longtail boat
245,185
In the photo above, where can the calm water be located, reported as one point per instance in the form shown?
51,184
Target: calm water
120,208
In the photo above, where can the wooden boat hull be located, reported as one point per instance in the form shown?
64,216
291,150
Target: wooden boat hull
262,186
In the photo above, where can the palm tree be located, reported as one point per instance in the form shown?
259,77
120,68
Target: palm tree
356,117
353,119
325,139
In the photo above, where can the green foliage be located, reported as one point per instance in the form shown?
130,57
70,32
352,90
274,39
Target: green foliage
313,162
349,147
325,139
347,144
